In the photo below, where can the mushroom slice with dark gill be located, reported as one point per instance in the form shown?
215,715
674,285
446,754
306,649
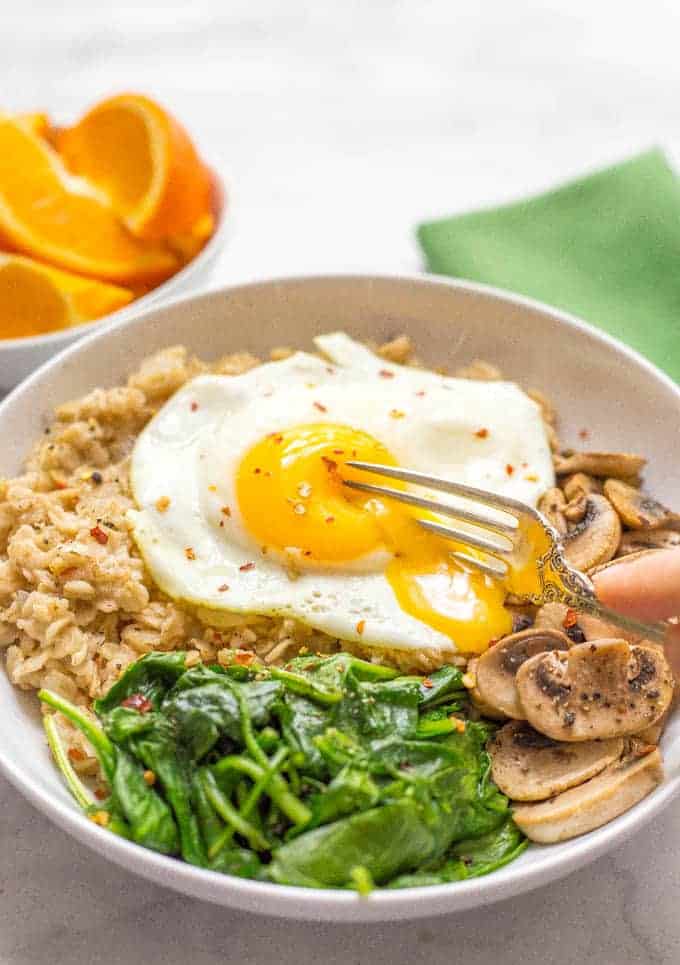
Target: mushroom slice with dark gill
552,505
617,465
528,766
594,803
580,484
637,509
637,540
495,670
595,539
597,690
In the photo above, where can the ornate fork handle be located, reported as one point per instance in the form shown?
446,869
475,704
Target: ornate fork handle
562,583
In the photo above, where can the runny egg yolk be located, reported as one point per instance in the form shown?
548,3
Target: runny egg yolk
292,499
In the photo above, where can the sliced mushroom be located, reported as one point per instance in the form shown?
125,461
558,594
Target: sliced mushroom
590,805
595,628
553,504
551,616
596,690
528,766
619,465
574,486
648,539
470,680
652,734
596,538
637,509
496,668
576,508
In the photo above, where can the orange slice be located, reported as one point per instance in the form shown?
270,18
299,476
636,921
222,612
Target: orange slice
36,298
37,122
43,213
143,160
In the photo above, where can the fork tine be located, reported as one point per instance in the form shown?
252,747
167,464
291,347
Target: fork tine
511,506
463,514
470,539
500,570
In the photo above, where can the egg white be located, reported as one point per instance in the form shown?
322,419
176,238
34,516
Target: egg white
190,453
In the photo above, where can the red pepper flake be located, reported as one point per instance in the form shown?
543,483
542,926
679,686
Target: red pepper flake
331,464
330,519
420,394
222,524
338,452
244,657
570,619
386,374
189,553
75,754
101,794
257,470
194,406
226,511
509,469
360,627
320,407
137,702
584,434
98,533
223,588
59,484
427,683
246,567
482,433
306,552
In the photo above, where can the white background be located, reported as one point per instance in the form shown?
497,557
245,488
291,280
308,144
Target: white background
340,125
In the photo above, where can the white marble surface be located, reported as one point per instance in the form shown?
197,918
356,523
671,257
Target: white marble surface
341,125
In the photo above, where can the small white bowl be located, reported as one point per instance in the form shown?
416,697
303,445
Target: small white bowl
596,383
20,356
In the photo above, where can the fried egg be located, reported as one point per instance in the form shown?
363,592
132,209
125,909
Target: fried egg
242,507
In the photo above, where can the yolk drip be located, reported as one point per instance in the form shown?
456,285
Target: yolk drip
291,497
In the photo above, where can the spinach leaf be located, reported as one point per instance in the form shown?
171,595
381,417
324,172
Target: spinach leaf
383,840
440,686
374,710
352,789
151,677
208,710
302,721
470,858
147,814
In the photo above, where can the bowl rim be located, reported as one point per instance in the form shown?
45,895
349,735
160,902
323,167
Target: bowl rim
334,904
152,298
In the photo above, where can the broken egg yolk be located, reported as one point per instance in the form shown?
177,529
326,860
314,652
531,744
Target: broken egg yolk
292,499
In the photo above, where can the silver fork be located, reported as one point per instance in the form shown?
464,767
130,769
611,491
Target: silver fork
496,537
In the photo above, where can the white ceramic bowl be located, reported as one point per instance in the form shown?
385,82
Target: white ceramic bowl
596,383
20,356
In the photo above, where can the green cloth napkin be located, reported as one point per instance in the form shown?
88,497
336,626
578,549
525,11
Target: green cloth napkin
605,247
